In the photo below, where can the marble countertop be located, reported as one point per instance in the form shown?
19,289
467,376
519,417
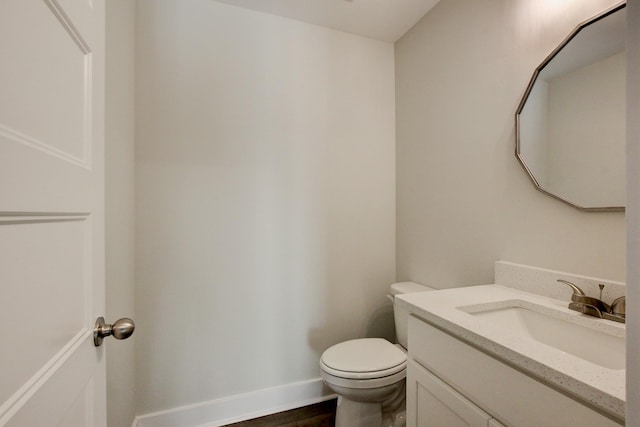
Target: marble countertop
450,310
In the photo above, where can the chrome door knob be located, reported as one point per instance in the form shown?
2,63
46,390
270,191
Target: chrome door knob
120,330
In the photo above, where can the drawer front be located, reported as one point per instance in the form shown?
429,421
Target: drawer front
507,394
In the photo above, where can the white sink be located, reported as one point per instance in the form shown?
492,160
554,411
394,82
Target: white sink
577,354
586,338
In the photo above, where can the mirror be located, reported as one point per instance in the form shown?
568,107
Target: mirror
571,121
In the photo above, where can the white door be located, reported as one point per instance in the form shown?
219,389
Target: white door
51,212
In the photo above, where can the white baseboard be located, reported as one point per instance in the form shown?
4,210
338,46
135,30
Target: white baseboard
239,408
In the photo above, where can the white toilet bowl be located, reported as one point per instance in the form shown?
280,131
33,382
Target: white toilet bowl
369,374
369,377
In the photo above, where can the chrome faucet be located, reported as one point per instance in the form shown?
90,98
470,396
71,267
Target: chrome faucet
595,306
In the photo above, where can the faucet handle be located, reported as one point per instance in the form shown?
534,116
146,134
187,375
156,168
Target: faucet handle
619,306
576,289
580,297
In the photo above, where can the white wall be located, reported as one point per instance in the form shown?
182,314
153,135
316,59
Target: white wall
633,212
265,167
463,199
119,121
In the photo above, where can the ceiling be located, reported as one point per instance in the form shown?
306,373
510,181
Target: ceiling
385,20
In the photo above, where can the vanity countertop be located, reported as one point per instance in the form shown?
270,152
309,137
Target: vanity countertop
598,386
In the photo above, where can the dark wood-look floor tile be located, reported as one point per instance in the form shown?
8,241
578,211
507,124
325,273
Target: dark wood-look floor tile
321,414
326,420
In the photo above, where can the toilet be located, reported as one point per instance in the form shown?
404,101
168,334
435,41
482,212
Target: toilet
368,374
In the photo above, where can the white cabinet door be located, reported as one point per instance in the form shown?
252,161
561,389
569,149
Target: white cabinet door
432,403
51,212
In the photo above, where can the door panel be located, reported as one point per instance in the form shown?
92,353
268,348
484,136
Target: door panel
50,62
51,396
51,82
47,310
51,212
432,403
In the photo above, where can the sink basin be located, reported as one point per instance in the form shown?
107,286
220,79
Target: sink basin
587,338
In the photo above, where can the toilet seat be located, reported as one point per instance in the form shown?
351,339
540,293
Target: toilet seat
370,383
364,359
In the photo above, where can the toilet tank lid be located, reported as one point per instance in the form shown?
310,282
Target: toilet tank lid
408,288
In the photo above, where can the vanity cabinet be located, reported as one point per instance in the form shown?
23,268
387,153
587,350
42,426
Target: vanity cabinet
450,383
434,403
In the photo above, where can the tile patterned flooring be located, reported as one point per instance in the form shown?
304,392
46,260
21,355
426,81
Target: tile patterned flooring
321,414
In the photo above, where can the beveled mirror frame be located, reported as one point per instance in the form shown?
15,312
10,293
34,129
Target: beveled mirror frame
528,91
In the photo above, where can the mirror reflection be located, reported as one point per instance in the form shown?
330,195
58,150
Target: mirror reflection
571,121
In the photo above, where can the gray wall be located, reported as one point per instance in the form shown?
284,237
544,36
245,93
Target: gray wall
119,157
633,212
463,201
265,224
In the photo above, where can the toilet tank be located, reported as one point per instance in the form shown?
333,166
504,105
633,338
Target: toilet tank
401,314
